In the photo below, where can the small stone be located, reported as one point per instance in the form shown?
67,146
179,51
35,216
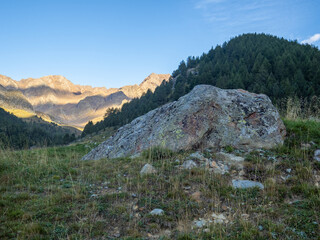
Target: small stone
224,207
285,178
272,158
245,216
147,169
167,233
157,212
229,158
246,184
196,196
200,223
119,188
317,155
305,146
288,170
189,164
197,156
219,218
134,195
213,164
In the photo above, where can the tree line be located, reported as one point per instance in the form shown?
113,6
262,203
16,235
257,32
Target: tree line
259,63
18,134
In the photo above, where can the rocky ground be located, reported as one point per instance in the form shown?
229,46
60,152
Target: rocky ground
231,194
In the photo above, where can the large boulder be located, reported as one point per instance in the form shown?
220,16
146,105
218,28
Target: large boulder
207,117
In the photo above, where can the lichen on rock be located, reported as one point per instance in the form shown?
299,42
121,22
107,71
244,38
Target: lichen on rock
207,117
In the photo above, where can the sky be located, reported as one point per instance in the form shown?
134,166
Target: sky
113,43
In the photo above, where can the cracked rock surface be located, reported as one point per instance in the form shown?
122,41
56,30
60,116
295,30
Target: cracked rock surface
207,117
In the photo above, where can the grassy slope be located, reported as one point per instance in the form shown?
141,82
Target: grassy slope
20,113
50,194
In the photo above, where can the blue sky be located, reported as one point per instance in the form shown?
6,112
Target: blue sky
113,43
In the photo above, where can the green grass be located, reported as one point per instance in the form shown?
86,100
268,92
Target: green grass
50,193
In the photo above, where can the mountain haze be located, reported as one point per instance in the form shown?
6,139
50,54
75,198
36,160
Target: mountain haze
70,104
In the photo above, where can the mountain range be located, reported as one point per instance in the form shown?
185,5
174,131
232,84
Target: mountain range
55,98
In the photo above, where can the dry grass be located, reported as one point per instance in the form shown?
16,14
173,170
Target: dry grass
294,108
50,193
20,113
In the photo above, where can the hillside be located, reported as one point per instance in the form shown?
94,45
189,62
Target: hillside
51,194
258,63
16,133
13,100
70,104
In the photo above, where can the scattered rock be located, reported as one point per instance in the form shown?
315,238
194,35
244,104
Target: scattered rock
200,223
305,146
219,218
228,157
245,216
246,184
224,207
317,155
189,164
207,116
147,169
197,156
213,164
196,196
241,173
157,212
285,178
134,195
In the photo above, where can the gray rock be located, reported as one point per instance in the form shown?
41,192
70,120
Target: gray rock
246,184
317,155
305,146
189,164
229,158
200,223
157,212
147,169
207,117
197,156
219,218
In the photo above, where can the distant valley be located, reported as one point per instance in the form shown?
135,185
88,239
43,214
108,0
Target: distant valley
55,98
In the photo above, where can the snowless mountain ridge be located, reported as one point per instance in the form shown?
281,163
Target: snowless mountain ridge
72,104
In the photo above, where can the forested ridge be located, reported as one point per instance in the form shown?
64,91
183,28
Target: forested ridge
18,134
259,63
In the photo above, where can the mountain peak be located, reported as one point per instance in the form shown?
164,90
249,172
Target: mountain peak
154,80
